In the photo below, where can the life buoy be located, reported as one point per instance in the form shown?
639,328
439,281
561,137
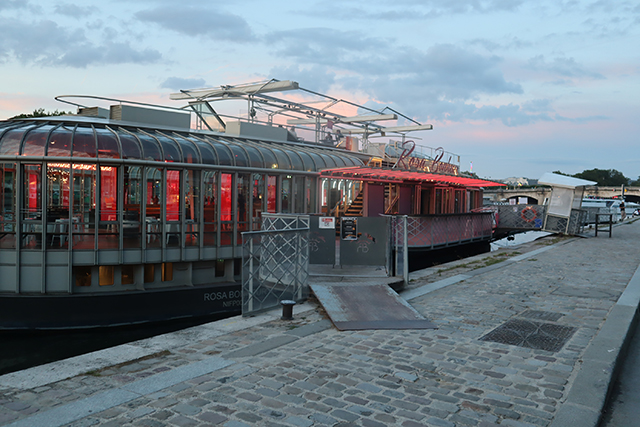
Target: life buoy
524,215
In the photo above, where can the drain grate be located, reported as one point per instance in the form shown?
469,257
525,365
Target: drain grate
530,334
541,315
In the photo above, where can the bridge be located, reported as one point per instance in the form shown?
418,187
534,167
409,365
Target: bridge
539,195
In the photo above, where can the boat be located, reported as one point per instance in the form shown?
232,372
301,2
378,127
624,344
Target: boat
134,213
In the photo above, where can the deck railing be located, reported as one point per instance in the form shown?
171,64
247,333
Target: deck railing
436,231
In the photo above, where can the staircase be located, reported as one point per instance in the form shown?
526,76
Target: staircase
356,207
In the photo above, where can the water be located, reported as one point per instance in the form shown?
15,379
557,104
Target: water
21,350
518,239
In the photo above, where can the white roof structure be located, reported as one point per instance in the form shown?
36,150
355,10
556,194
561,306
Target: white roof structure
556,180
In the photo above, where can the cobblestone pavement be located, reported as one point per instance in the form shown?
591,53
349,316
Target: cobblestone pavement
306,373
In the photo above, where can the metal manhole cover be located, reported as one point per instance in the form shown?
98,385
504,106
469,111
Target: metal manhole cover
530,334
541,315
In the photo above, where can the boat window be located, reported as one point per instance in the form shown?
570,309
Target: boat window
286,201
127,274
60,142
106,275
108,147
154,194
318,160
309,165
255,157
82,275
35,141
149,273
329,160
298,194
192,206
58,196
240,156
167,271
242,188
270,160
173,195
31,209
84,142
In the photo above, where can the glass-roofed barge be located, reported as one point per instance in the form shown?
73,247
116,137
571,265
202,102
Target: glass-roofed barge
128,215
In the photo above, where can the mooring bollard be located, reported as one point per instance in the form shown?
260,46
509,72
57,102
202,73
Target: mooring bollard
287,309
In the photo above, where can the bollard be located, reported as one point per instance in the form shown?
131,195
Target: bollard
287,309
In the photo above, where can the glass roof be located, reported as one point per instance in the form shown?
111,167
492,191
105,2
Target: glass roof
42,138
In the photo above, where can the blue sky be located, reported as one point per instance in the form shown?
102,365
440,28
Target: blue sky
518,88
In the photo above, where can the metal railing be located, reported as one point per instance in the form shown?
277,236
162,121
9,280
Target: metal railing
444,230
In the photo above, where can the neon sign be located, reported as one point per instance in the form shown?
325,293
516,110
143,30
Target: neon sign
408,162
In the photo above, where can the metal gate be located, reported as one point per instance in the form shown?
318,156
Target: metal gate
275,267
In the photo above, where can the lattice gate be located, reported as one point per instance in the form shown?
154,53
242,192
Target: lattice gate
275,266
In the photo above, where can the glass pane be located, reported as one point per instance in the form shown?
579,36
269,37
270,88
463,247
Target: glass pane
189,152
269,158
258,196
283,159
255,158
239,155
107,144
108,237
192,206
224,154
84,206
296,161
226,208
242,187
209,194
209,156
58,195
307,161
170,148
272,193
10,143
299,194
154,188
35,141
31,212
60,142
286,194
8,207
150,147
173,195
84,143
130,146
319,161
131,212
328,160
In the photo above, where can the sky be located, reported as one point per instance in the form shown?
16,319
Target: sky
516,88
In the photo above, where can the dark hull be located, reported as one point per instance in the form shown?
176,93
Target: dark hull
34,312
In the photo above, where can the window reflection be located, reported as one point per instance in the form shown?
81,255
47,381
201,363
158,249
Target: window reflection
31,213
153,209
210,200
8,207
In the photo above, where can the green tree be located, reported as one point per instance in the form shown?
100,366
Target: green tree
635,183
40,112
610,177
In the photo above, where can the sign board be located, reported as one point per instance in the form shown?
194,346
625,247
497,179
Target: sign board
327,222
349,228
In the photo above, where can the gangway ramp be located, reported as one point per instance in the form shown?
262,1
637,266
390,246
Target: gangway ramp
364,305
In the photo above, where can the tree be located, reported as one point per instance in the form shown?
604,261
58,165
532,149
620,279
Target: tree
608,177
40,112
635,183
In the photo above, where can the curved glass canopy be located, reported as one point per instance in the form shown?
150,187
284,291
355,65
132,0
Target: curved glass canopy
82,139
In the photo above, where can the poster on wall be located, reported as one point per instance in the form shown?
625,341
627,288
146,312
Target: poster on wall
349,228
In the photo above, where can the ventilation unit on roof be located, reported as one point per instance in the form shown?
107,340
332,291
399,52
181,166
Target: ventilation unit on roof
276,133
128,113
94,112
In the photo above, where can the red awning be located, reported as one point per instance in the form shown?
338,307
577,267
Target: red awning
397,175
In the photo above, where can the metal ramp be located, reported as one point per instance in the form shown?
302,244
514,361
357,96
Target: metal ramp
359,306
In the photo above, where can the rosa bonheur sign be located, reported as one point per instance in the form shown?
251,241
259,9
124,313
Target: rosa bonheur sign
408,162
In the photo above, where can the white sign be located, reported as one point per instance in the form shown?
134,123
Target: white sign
327,222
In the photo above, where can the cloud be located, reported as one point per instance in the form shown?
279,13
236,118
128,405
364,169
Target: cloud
562,66
47,43
73,10
321,77
199,21
178,83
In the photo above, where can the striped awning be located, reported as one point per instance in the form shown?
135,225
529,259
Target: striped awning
398,176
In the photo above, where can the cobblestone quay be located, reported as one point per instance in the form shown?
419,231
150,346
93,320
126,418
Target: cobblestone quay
528,336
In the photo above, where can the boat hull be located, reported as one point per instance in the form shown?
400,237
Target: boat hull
40,312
